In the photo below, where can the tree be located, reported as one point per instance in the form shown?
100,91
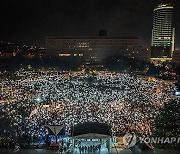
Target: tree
167,123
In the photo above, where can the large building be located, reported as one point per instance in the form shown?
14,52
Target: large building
8,50
163,33
95,49
176,57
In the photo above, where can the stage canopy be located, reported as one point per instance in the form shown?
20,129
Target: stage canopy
91,130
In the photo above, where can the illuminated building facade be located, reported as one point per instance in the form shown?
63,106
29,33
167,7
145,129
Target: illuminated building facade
94,49
163,33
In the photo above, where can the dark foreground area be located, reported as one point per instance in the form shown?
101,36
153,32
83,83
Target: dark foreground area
28,151
44,151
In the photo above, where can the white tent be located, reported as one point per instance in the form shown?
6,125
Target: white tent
55,128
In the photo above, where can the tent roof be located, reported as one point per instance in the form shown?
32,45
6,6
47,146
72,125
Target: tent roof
91,130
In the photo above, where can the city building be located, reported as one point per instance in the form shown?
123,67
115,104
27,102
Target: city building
163,33
103,32
138,53
33,52
176,57
95,49
8,50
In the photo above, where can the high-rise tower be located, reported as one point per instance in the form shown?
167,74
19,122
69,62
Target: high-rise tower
163,33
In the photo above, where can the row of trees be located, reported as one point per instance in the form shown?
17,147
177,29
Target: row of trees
129,65
167,124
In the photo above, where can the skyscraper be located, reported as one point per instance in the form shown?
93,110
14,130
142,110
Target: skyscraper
163,33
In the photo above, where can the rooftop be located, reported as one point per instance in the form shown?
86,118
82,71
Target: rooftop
163,6
90,37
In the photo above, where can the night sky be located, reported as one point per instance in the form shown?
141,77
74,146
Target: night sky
30,21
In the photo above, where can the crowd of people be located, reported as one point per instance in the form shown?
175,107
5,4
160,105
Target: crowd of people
90,149
36,99
84,146
6,142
